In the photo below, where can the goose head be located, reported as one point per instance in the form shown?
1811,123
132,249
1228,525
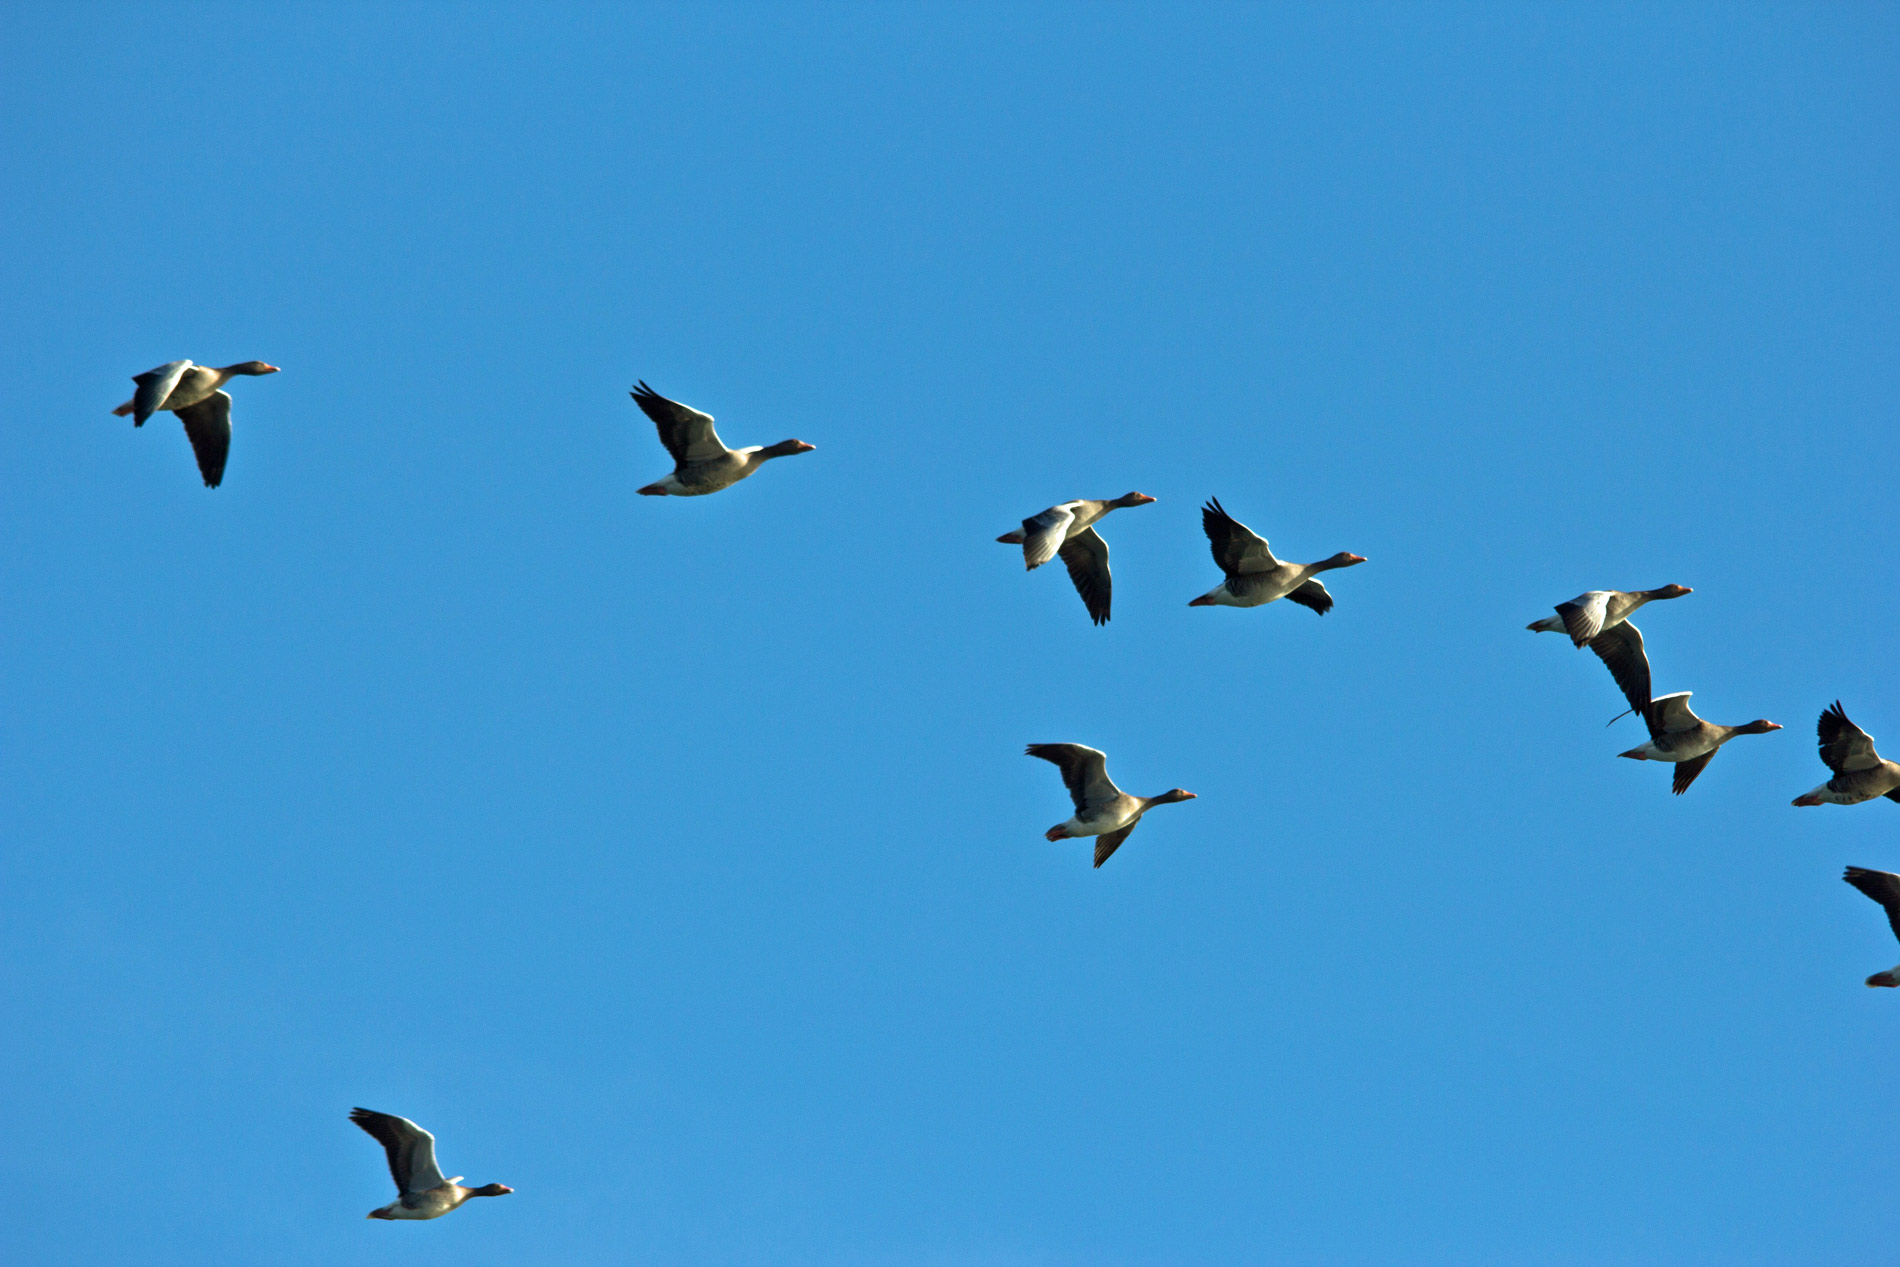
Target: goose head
1132,499
251,368
1171,796
785,449
1341,560
1760,726
491,1190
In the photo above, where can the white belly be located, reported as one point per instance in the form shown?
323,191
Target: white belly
1100,825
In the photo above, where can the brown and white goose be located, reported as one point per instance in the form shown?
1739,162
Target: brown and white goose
421,1190
1884,888
701,462
1068,529
1677,734
191,392
1599,620
1102,810
1860,773
1254,576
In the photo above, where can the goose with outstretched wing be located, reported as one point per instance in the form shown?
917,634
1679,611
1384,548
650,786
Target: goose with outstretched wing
701,462
1102,810
421,1190
191,392
1068,529
1676,734
1600,621
1253,575
1860,773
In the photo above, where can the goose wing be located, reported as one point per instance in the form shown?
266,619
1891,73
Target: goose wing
1310,593
687,434
1084,772
1583,616
1883,887
154,387
1671,715
411,1149
208,427
1109,842
1620,647
1845,747
1237,548
1687,770
1043,534
1086,556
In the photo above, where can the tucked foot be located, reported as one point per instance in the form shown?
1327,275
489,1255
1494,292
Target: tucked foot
1055,833
652,490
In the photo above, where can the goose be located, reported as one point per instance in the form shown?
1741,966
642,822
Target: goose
1600,621
422,1192
1860,773
1254,576
191,392
701,462
1102,810
1677,734
1068,529
1884,888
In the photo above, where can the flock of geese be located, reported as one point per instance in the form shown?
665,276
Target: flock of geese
1251,577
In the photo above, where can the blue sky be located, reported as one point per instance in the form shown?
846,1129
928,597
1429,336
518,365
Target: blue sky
676,861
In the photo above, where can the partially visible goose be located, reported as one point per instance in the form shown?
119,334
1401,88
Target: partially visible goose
1067,529
1254,576
1677,734
701,462
422,1192
191,392
1884,888
1102,810
1599,620
1860,773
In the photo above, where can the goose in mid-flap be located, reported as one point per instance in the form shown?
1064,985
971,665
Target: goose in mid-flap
191,392
422,1192
1600,621
1102,810
1068,529
701,462
1860,773
1254,576
1884,888
1677,734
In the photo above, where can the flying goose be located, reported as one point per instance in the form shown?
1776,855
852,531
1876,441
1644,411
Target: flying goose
1884,888
1067,529
1860,774
1254,576
1599,620
1677,734
701,462
422,1192
191,392
1102,810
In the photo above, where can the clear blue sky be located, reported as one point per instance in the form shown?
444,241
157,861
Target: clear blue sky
676,861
